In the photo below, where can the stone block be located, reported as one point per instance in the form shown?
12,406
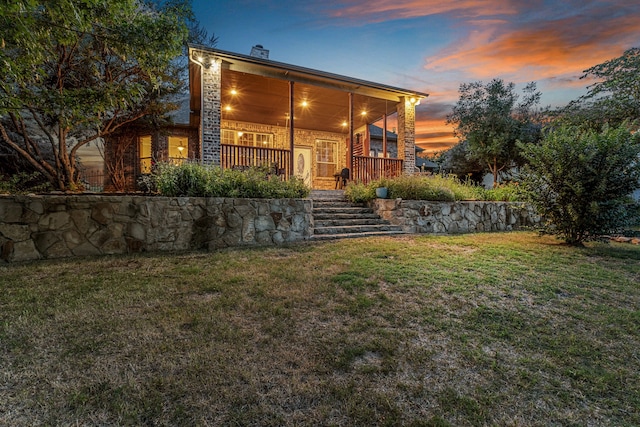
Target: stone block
25,251
72,238
248,230
15,232
99,237
36,207
137,231
55,221
10,211
81,219
102,213
244,210
85,249
278,238
45,240
263,238
58,250
263,223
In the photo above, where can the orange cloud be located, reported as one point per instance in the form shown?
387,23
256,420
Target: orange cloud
543,51
384,10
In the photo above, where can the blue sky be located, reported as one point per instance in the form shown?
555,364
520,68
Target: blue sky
433,46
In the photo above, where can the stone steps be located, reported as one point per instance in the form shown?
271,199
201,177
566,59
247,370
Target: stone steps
337,218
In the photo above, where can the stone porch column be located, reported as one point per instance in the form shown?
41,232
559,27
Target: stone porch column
211,110
407,135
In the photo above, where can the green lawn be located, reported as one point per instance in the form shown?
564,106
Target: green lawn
486,329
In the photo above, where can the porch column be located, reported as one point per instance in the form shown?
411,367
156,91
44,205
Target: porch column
384,136
350,158
291,128
407,134
211,110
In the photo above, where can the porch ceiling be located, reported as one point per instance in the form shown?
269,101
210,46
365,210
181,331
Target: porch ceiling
263,93
266,100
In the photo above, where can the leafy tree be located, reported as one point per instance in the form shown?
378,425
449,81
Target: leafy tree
618,88
72,72
578,179
489,118
459,161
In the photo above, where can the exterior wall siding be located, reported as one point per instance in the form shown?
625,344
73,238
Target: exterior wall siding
302,138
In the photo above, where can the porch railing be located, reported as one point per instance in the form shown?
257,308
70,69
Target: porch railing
234,156
367,169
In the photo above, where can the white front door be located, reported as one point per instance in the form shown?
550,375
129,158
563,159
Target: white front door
302,163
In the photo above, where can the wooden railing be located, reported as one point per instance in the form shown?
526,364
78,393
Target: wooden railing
240,156
367,169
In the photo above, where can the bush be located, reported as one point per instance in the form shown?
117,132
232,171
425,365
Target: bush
358,192
580,179
195,180
433,187
23,183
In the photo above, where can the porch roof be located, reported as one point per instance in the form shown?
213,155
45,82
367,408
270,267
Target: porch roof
263,93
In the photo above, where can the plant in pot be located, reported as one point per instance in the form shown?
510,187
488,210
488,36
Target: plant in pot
381,187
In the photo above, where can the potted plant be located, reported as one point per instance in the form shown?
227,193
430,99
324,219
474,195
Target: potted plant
381,192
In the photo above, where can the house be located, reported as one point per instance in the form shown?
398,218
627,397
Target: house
247,110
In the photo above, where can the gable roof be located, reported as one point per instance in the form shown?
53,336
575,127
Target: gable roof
376,132
264,87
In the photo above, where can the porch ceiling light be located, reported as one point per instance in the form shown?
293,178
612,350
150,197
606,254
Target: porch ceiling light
227,108
305,103
364,113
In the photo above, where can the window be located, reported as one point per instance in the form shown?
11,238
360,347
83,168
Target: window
248,139
326,158
178,148
144,148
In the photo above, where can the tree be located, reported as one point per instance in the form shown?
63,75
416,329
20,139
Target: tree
73,72
612,100
618,89
578,179
489,118
458,161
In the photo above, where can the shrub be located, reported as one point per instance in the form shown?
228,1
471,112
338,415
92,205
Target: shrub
358,192
511,192
580,179
432,187
195,180
22,183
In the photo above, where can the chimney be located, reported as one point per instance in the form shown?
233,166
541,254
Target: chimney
259,52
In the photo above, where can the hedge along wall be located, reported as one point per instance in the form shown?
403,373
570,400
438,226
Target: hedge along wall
420,216
35,227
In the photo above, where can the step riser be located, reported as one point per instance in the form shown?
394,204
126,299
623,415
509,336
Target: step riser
348,222
333,211
355,229
354,235
329,217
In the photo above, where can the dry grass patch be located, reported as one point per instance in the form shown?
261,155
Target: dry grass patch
487,329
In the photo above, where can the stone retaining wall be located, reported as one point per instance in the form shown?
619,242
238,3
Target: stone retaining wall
35,227
419,216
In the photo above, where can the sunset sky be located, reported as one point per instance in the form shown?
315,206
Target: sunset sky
433,46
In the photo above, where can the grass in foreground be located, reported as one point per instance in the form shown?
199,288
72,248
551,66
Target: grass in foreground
486,329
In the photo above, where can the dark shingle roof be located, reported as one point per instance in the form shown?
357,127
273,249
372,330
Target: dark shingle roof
376,132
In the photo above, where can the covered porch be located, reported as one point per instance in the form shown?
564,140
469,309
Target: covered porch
251,111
